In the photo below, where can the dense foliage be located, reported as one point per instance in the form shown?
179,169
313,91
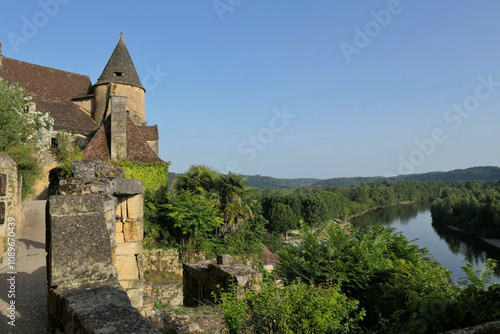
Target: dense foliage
66,151
23,134
317,206
153,175
474,208
208,212
376,266
294,308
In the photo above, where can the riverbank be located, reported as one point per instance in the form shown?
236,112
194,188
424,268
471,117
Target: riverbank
493,242
380,207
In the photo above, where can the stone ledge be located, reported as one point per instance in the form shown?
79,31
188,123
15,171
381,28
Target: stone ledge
116,186
95,308
486,328
94,168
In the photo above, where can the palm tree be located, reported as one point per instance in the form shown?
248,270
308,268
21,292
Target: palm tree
228,192
235,205
199,179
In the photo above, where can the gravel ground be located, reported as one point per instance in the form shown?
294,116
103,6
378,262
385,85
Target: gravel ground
30,278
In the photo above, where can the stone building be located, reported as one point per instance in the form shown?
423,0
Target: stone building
106,130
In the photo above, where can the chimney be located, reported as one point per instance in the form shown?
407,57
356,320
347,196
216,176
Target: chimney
118,128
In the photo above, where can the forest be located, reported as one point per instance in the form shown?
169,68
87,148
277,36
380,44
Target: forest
473,208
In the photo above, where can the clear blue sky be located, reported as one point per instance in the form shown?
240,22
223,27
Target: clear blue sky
363,88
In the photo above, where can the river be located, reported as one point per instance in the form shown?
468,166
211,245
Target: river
451,248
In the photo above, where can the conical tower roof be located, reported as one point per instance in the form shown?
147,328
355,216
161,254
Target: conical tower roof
120,68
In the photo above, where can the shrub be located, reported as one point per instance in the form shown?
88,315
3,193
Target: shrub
376,266
294,308
153,175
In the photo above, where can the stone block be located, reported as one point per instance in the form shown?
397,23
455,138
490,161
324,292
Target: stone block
127,268
133,284
129,248
94,168
126,187
76,204
80,249
135,207
136,297
133,231
119,238
121,208
224,259
119,227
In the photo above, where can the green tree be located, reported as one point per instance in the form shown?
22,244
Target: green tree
23,134
282,219
190,217
228,192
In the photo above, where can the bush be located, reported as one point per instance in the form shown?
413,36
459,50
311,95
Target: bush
295,308
153,175
376,266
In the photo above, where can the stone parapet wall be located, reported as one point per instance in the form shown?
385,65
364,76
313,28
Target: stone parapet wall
202,279
79,246
94,239
10,195
95,308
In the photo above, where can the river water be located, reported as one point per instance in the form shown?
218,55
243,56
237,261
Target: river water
449,247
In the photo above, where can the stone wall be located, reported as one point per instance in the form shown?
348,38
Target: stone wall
202,279
94,239
95,308
161,263
10,195
97,177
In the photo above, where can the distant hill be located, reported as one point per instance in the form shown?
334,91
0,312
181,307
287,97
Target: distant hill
472,173
267,182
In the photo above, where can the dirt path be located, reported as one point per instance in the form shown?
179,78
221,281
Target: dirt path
30,275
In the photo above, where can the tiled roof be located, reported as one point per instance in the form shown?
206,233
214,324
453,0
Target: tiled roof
138,149
51,91
120,68
98,148
149,132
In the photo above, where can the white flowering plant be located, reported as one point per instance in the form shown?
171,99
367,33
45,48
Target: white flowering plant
23,133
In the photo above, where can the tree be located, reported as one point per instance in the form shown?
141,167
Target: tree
190,217
23,134
282,219
228,192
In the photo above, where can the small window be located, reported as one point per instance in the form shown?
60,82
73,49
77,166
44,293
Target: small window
118,74
2,212
3,184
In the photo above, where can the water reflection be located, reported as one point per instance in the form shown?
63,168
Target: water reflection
448,246
387,216
474,250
